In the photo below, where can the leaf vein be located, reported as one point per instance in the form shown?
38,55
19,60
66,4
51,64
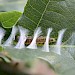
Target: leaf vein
31,20
50,21
43,14
9,19
43,2
34,9
59,14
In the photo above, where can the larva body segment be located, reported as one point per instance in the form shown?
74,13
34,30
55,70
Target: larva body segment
40,40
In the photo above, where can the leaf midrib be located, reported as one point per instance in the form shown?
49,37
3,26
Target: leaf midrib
43,13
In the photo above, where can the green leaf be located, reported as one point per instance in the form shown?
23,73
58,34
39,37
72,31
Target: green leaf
8,19
61,63
57,14
1,48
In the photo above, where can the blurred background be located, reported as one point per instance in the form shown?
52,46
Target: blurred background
8,5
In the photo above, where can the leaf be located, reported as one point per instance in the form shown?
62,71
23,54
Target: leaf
8,19
1,48
71,45
57,14
61,63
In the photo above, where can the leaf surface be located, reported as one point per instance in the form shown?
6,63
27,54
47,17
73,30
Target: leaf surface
61,63
8,19
57,14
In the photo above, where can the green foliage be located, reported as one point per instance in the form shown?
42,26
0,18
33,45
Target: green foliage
57,14
1,48
8,19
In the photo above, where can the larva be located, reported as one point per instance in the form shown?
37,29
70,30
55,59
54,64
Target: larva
40,40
